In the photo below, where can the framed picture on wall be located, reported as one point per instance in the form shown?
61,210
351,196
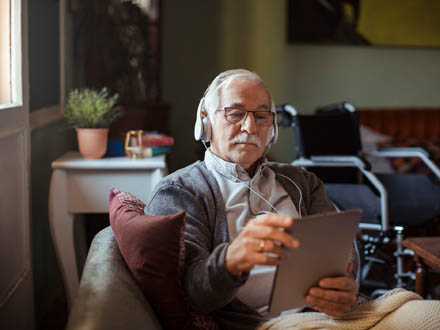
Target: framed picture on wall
407,23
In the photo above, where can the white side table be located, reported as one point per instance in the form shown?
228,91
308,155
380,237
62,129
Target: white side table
83,186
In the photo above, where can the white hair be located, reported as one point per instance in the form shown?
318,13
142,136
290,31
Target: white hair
211,98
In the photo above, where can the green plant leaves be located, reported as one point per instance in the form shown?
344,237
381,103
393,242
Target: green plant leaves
89,108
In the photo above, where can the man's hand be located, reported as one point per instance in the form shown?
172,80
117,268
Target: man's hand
334,295
261,234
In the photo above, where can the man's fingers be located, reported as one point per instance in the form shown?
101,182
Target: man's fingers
264,259
261,230
275,234
333,308
331,312
340,283
271,247
275,220
262,234
333,296
350,266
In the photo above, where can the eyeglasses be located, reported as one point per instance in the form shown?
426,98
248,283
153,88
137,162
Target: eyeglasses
235,115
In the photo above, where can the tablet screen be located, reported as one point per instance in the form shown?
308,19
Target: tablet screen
326,243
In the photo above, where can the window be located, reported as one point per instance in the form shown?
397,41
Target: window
10,54
5,52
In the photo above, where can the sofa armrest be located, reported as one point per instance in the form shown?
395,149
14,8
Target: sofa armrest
108,296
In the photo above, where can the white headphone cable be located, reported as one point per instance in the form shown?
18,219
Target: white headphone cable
299,190
250,188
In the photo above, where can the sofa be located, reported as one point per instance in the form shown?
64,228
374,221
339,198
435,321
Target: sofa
402,128
108,296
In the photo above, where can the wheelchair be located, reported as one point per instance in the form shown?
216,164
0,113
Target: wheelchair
329,144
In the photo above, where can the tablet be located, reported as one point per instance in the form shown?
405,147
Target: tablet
326,242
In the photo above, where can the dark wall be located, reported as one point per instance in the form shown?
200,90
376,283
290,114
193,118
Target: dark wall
44,64
47,144
191,59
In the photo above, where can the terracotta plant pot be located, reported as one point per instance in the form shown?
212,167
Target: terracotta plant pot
92,142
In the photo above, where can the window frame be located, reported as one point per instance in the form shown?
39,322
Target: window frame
15,60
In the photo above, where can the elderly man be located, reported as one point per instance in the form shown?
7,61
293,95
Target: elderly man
226,240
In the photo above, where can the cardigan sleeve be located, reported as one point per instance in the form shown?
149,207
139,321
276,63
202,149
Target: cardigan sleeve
206,281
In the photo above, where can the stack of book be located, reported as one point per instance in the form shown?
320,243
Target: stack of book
154,144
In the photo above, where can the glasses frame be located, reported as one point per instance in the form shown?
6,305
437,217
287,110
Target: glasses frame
225,109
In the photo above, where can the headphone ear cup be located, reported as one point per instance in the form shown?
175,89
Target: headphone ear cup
273,135
207,130
202,128
199,129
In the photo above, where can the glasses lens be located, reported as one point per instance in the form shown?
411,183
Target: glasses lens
234,115
262,118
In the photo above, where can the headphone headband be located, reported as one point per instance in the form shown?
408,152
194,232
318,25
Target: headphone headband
202,127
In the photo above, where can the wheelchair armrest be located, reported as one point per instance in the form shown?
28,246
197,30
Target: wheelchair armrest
408,153
351,161
400,152
333,161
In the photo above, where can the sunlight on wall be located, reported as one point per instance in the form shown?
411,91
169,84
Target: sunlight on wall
5,52
254,36
401,22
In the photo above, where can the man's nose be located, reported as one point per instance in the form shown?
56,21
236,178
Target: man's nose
249,123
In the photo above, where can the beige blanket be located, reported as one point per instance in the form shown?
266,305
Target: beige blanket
397,309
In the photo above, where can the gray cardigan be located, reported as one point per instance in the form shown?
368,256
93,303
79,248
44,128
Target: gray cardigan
209,287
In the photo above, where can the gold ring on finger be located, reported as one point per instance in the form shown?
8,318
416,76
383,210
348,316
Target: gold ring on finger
262,244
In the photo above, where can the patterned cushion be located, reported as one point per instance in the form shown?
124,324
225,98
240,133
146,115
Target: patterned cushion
153,248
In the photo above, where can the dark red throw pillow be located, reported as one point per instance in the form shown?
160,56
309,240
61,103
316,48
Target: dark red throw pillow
153,249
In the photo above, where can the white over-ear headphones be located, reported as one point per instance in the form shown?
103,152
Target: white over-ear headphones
274,134
203,130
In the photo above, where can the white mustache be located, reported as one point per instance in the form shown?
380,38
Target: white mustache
246,138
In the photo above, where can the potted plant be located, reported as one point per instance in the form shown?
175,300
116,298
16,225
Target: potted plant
127,34
91,112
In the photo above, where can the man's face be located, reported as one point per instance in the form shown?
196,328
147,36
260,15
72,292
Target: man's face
250,95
